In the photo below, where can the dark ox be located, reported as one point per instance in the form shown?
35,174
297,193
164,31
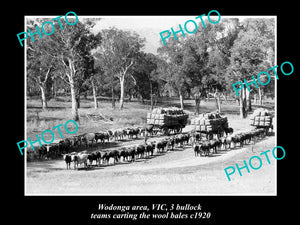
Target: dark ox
68,160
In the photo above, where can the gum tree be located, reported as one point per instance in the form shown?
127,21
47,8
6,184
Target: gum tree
117,53
69,49
251,53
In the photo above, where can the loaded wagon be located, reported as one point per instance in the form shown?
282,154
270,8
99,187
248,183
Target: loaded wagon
209,124
167,120
262,118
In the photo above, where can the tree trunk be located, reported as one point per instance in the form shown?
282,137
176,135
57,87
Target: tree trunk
129,96
77,98
113,103
44,100
74,101
225,97
243,113
218,103
122,92
260,96
94,95
248,99
197,105
151,94
54,88
181,100
217,99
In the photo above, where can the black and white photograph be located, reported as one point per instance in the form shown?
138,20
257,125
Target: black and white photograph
151,104
165,118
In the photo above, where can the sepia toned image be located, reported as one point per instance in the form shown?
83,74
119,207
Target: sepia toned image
151,105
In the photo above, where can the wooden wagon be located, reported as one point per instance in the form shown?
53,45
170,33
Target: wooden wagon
167,120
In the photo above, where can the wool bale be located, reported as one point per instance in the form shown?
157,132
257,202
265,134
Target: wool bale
193,122
209,128
202,121
158,111
207,122
202,127
267,123
268,118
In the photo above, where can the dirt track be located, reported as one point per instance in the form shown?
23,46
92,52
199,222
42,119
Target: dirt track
177,172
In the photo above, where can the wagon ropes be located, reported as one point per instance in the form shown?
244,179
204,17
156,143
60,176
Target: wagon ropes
167,119
261,118
207,122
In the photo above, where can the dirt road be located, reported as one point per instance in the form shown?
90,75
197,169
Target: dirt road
173,173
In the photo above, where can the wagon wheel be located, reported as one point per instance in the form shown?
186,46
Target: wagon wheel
165,131
178,130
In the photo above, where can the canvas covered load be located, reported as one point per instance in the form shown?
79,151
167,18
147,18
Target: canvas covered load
261,117
167,116
209,122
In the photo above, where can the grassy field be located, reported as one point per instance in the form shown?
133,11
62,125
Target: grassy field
133,114
175,172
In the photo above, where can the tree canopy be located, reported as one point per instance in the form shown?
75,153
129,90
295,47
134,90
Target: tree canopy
112,62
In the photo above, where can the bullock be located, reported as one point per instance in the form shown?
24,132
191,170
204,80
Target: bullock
80,158
135,132
68,160
88,137
95,156
131,153
149,148
227,141
115,155
171,143
127,132
194,137
205,147
64,146
110,134
118,134
105,158
140,150
160,145
76,141
197,149
124,154
102,136
228,130
130,132
214,144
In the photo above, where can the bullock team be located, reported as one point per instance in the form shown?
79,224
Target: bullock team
200,143
86,140
228,141
125,154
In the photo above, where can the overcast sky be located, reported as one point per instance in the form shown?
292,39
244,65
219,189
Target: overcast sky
147,27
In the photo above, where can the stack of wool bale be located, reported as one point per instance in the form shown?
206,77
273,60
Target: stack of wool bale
209,122
167,116
261,118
